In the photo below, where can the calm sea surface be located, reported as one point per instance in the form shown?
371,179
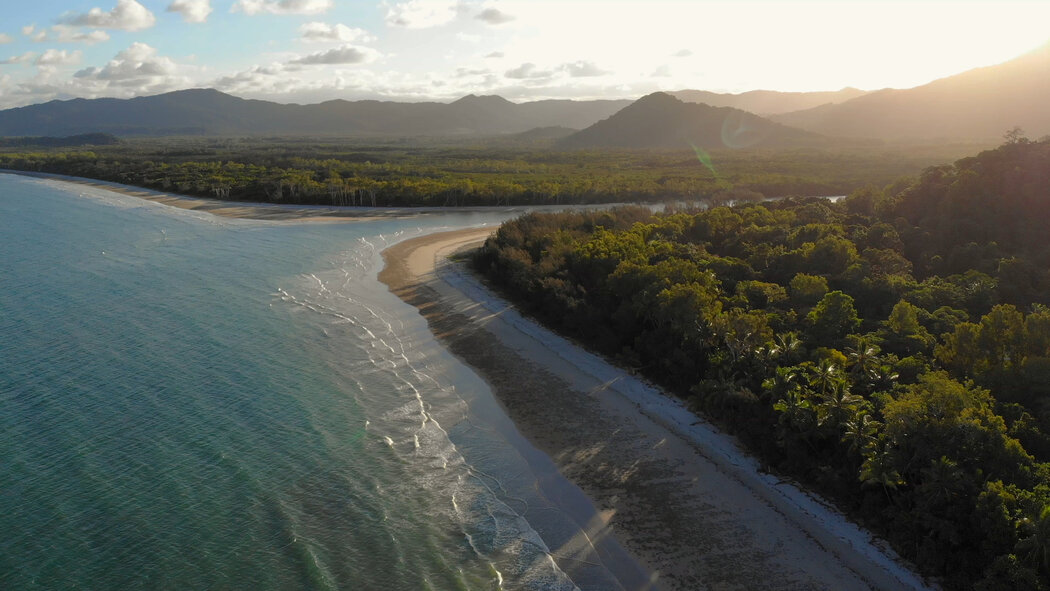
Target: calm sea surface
193,402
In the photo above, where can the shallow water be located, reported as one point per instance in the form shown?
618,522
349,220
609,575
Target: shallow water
192,402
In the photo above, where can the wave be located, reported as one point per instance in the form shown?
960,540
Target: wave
407,401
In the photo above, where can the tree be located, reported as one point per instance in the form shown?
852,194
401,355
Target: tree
832,319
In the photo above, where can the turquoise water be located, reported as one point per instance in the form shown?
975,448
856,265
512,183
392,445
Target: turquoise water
192,402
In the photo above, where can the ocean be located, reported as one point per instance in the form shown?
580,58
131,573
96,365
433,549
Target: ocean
196,402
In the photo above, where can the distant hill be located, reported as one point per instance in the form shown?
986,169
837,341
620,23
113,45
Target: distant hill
210,112
768,102
660,120
979,104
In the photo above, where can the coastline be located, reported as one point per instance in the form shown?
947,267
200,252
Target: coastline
683,498
255,210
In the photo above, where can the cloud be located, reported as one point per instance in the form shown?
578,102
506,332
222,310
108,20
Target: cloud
251,7
19,59
467,72
34,35
55,57
495,54
128,15
192,11
138,65
494,17
4,38
527,71
421,14
68,34
347,54
258,78
582,69
683,53
325,33
663,71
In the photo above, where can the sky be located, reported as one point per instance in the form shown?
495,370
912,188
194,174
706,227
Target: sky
308,51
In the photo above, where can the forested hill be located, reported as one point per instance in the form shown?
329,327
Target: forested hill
660,120
210,112
891,349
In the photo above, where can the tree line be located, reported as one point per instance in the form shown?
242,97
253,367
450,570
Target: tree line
891,349
283,171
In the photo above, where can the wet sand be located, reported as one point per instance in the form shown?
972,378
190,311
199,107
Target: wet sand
681,496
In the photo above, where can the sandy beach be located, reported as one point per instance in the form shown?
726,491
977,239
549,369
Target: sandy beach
680,495
251,211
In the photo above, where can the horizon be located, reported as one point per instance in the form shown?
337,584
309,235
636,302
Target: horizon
311,51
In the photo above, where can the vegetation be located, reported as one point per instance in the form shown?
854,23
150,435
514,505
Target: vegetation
891,348
338,173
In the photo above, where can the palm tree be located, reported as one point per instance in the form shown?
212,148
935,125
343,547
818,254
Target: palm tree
878,469
1035,548
860,432
838,405
863,357
825,374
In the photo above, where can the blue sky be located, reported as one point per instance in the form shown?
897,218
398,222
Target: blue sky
312,50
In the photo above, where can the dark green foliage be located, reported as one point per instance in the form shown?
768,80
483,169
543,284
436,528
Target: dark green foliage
342,172
923,407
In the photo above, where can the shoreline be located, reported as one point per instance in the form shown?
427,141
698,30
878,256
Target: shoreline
264,211
681,496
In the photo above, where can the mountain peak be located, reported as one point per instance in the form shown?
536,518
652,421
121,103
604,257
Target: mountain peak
486,99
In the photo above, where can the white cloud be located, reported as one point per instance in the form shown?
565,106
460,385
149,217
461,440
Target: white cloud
493,16
527,71
4,38
421,14
139,64
347,54
663,71
325,33
127,15
582,69
19,59
468,72
192,11
683,53
55,57
495,54
34,35
251,7
68,34
257,79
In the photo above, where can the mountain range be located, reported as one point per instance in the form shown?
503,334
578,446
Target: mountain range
210,112
768,102
979,104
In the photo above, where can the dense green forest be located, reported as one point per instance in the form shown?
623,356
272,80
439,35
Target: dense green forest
340,173
891,348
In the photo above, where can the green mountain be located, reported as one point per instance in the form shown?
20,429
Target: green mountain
660,120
